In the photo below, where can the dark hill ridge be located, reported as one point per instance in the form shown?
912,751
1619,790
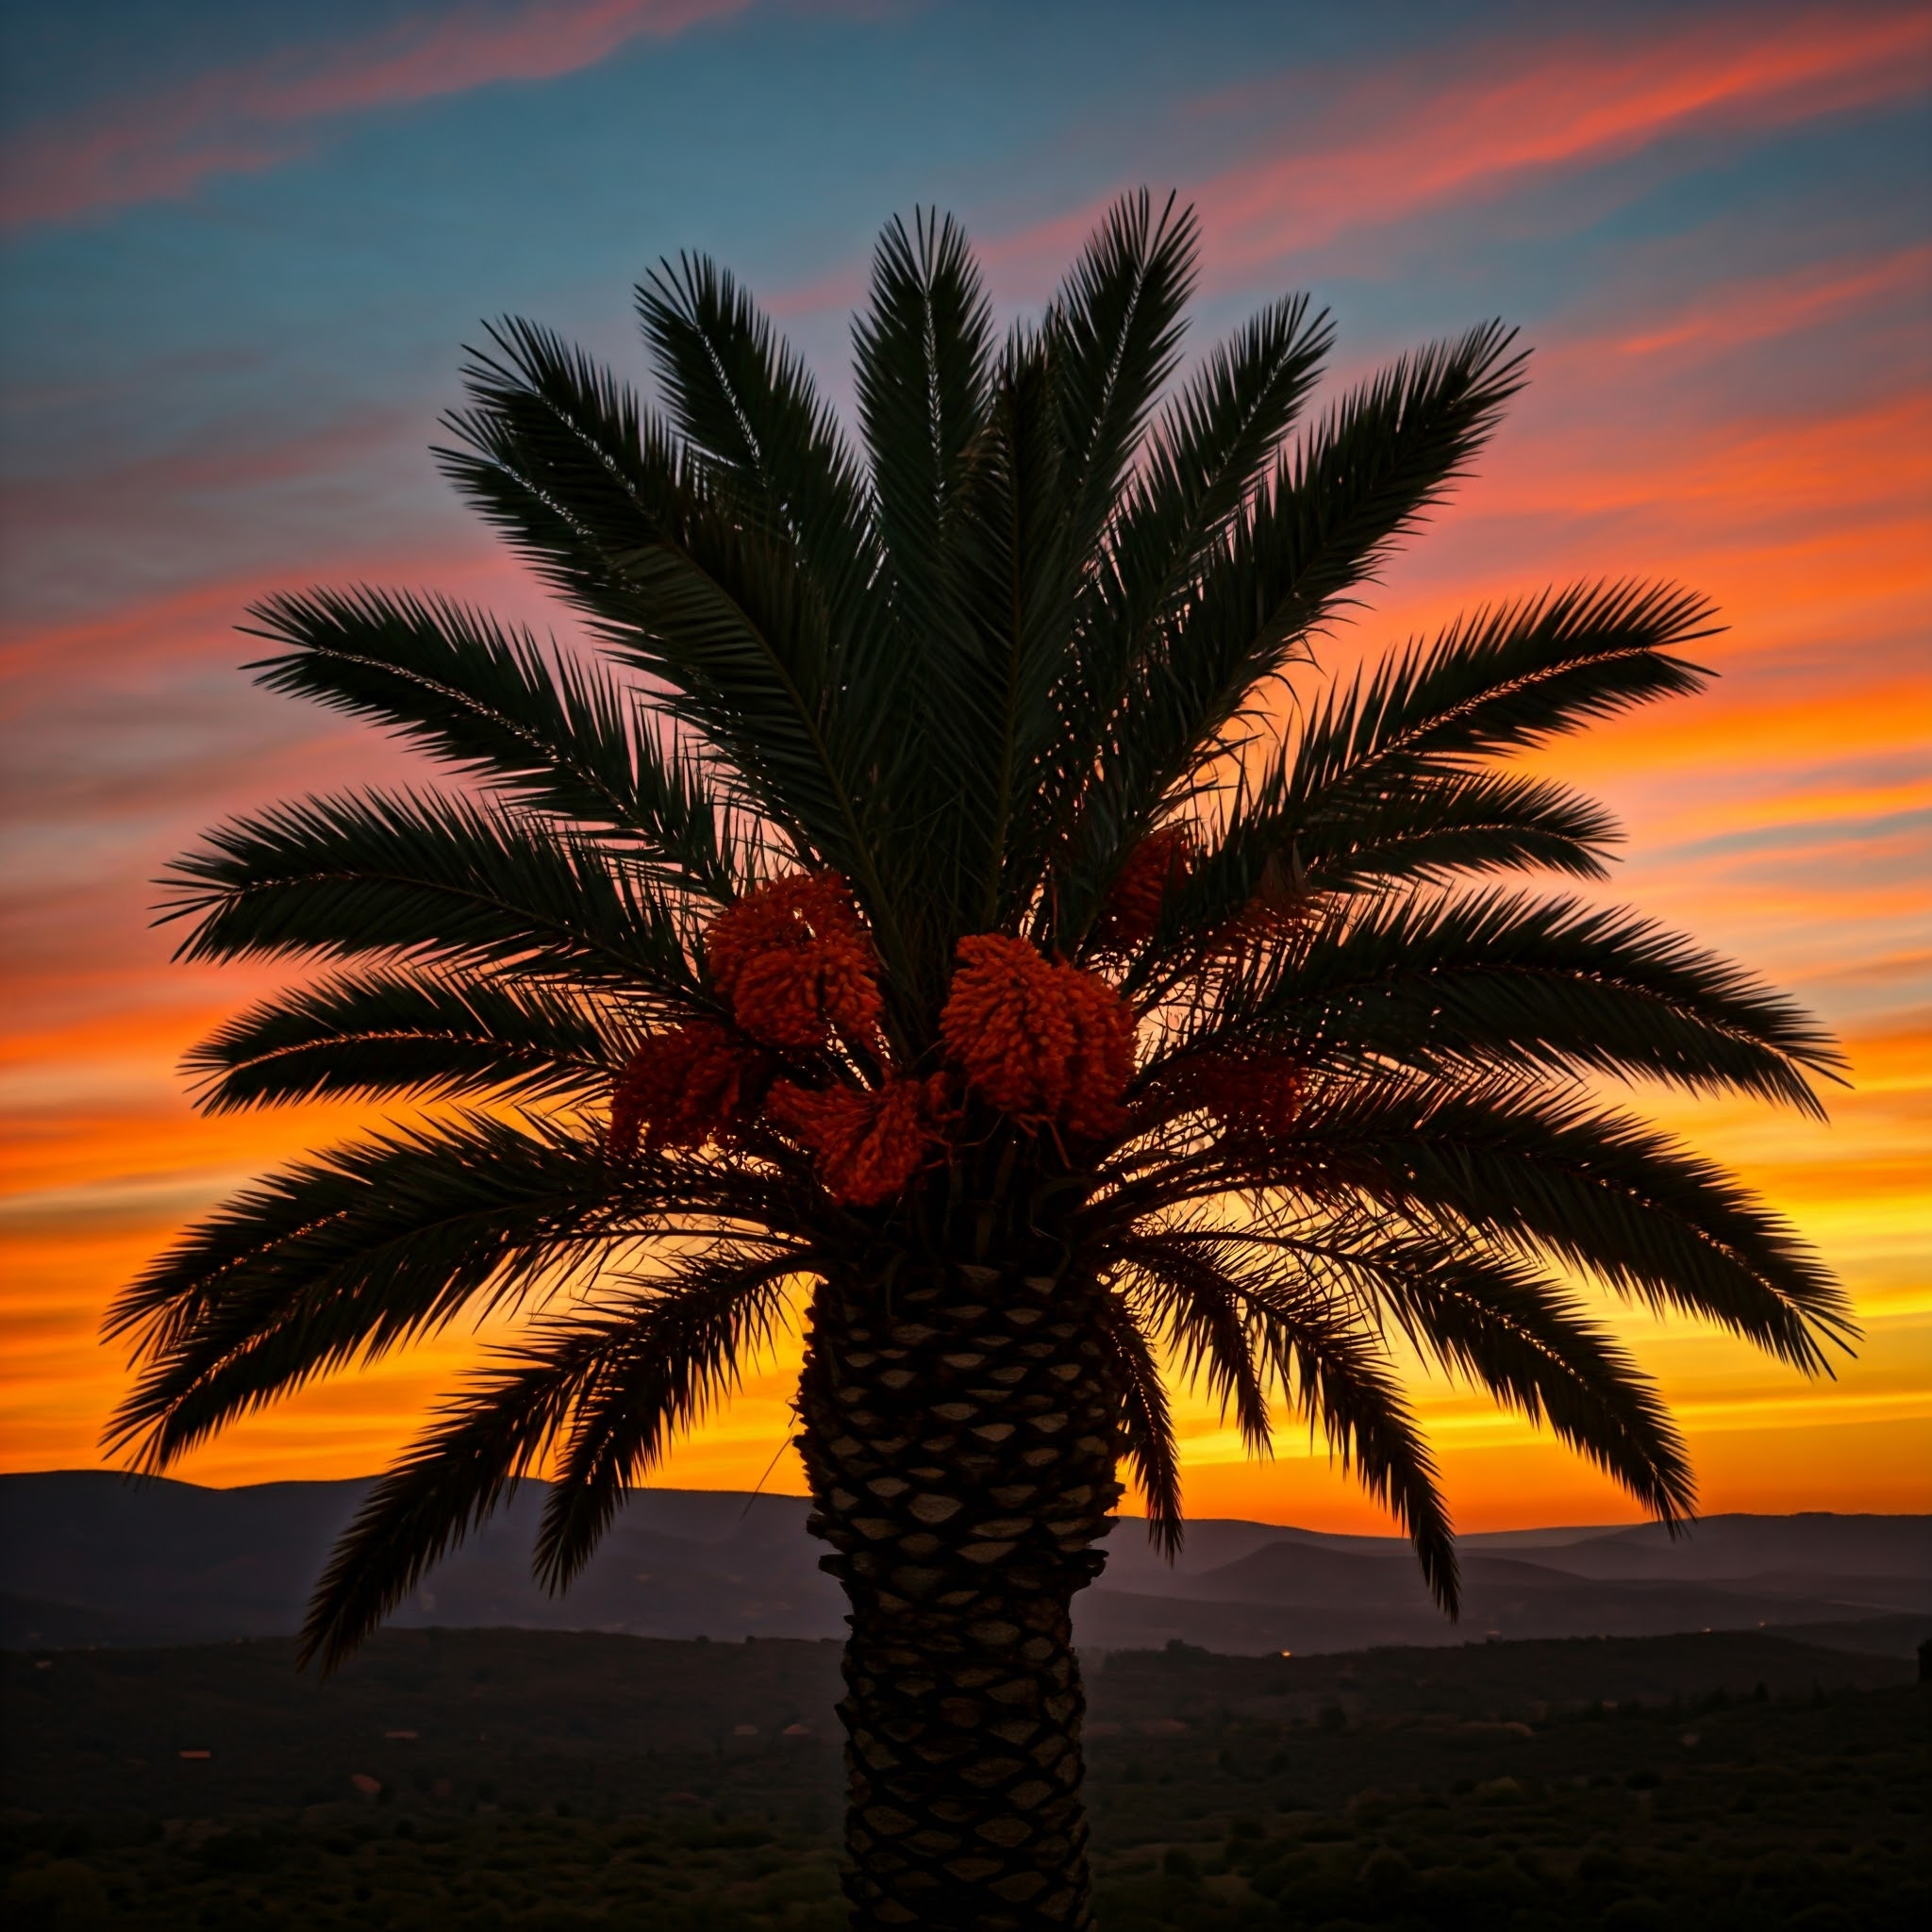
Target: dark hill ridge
90,1558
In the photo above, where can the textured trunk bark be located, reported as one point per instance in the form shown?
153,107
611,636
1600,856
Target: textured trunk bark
960,1437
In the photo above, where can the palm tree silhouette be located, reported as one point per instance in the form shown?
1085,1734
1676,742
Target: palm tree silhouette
943,909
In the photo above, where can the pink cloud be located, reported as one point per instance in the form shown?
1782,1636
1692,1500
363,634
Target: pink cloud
36,505
1766,307
242,118
1367,151
151,635
1421,139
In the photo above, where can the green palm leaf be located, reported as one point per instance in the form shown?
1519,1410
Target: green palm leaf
428,876
689,1338
425,1033
342,1259
1591,1189
1540,984
1363,477
452,1480
549,730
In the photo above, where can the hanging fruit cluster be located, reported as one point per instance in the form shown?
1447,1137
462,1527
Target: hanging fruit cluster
1044,1043
794,963
1048,1044
1155,867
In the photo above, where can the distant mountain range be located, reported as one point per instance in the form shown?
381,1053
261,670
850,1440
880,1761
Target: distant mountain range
89,1558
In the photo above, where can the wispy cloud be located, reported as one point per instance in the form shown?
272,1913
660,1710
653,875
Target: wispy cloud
1418,139
1367,148
237,119
1764,308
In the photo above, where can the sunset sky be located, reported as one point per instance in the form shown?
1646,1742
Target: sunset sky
245,239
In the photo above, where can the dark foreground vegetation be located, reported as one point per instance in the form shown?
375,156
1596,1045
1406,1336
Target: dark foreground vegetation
473,1779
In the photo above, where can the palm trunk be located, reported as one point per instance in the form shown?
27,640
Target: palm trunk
960,1436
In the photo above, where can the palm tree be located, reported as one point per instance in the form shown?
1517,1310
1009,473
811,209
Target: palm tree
939,912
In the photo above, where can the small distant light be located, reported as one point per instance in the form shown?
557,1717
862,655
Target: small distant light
200,1754
1287,1653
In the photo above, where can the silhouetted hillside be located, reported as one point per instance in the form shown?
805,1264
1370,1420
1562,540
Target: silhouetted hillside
91,1558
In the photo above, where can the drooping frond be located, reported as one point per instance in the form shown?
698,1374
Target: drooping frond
426,1033
351,1255
687,1340
451,1480
1324,1355
1492,1320
1197,1312
1556,1178
1152,1453
1532,1349
607,1388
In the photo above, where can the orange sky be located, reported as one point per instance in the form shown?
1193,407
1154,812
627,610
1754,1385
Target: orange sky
1731,325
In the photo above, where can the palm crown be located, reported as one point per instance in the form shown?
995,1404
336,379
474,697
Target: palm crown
940,864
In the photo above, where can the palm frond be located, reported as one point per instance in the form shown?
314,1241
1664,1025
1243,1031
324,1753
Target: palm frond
1508,678
1436,981
1202,465
1384,781
1199,468
1532,1350
357,1252
1441,825
1490,1320
922,370
1113,336
426,1033
549,730
713,609
451,1480
1591,1189
1361,479
747,403
1152,1453
1197,1312
1109,342
680,1350
1016,580
431,876
1332,1366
